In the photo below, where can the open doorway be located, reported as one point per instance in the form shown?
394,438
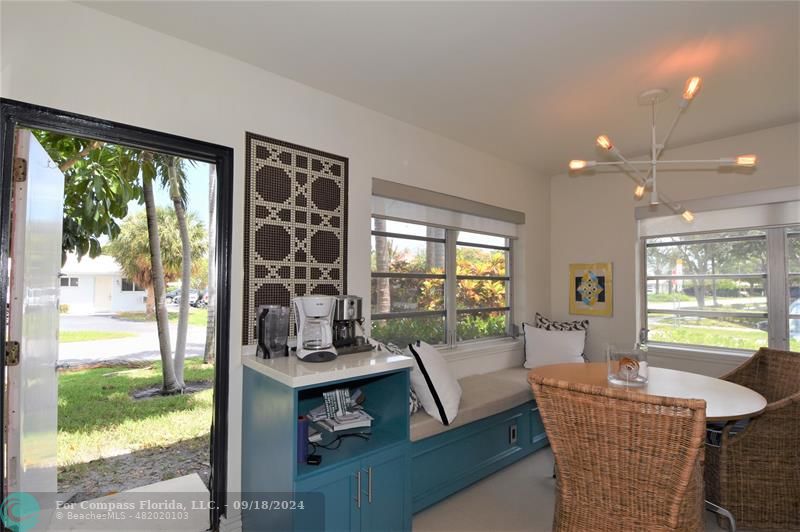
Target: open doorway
141,354
129,413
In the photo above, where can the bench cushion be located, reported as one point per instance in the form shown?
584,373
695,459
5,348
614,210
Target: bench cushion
482,396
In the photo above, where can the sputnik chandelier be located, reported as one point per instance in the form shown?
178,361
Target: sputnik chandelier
649,182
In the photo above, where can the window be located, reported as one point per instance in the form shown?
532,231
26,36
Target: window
130,286
69,281
793,284
724,290
439,285
482,286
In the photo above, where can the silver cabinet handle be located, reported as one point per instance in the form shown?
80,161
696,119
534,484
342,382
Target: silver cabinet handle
358,490
369,484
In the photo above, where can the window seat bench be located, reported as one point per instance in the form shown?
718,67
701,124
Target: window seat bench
497,424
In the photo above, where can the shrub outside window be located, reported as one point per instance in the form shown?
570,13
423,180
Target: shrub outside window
442,286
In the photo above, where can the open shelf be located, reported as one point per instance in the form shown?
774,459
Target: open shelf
386,400
350,449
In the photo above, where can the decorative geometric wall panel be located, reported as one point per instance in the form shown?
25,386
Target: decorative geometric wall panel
295,226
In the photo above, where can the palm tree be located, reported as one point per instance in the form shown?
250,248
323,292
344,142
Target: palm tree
176,178
132,250
170,382
384,297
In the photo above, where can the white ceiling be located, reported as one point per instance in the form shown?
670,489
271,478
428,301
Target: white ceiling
530,82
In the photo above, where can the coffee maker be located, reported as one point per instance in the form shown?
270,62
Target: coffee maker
314,316
346,316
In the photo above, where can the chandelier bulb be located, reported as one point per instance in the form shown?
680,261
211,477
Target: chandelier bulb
639,192
577,164
604,142
746,160
688,216
692,87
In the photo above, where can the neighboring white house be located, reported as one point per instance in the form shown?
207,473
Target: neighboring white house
92,286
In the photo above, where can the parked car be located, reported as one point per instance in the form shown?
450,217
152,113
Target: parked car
193,296
172,294
202,301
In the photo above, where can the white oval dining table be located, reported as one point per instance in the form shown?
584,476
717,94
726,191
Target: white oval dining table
725,401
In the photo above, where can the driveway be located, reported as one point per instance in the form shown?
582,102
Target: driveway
143,346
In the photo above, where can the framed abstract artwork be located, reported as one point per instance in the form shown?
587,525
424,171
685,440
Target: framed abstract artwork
591,289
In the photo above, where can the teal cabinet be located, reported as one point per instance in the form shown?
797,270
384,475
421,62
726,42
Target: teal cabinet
538,434
362,484
338,489
388,492
371,494
450,461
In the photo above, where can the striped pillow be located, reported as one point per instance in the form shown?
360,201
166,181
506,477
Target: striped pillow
550,325
413,403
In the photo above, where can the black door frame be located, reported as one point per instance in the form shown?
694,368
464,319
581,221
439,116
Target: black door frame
14,114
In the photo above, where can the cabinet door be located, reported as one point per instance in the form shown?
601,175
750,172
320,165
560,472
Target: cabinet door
338,488
386,490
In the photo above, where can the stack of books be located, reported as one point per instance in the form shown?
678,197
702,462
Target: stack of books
355,419
340,411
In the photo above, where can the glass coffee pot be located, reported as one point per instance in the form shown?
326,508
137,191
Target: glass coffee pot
317,334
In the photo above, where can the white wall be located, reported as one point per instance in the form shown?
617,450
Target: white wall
592,220
126,301
73,58
79,298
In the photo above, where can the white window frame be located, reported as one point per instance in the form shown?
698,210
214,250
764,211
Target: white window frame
776,287
795,230
451,312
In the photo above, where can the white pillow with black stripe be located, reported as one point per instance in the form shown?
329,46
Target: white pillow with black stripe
436,387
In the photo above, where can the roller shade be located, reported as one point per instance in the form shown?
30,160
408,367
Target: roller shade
412,212
766,208
413,204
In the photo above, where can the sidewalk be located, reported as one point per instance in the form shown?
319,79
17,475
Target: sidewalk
143,346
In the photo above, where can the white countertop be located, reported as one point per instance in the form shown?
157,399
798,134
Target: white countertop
295,373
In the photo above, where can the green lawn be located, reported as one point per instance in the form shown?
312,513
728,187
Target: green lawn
713,333
732,338
97,417
197,316
668,298
89,336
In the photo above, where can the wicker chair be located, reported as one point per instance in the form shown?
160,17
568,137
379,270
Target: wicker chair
755,471
626,461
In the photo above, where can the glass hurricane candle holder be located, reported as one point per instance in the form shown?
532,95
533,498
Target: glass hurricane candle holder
627,366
